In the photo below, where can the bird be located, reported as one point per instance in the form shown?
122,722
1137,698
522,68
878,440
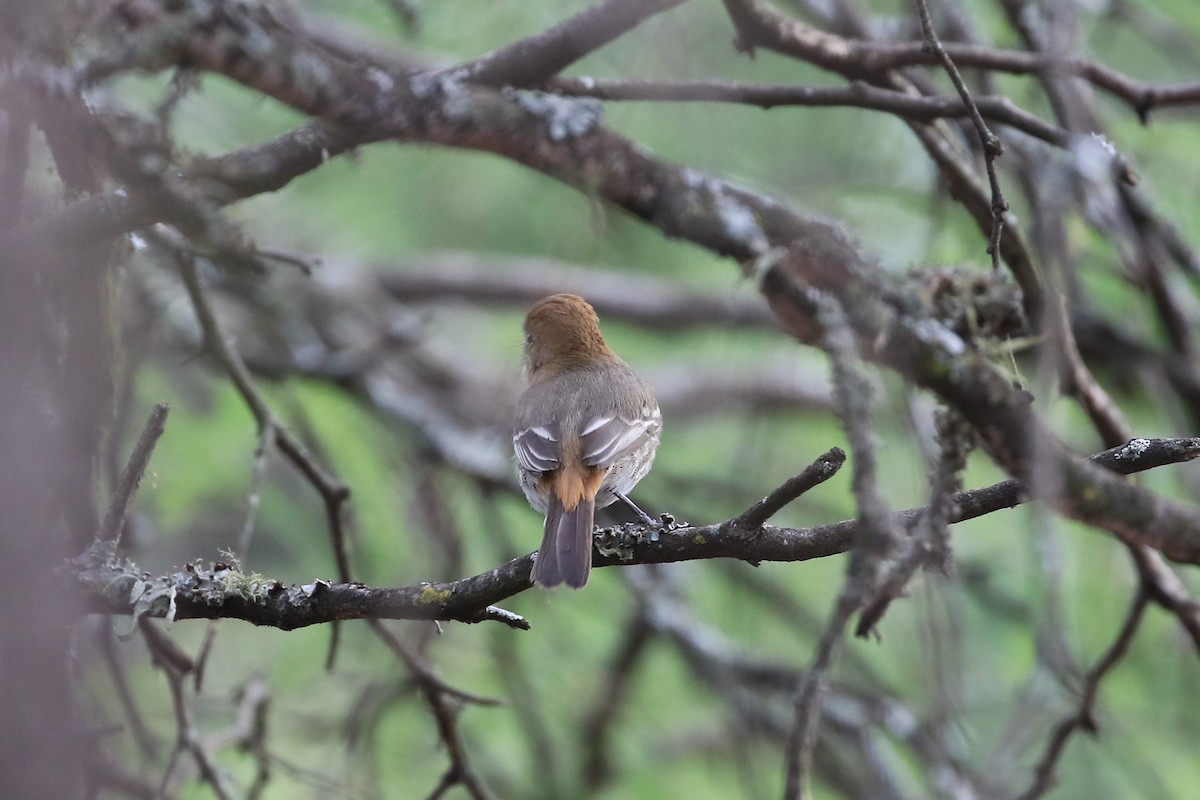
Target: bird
586,430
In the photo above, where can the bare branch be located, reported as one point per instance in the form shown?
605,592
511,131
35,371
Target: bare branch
809,699
518,282
760,25
1164,587
629,654
763,26
992,147
332,490
858,95
533,60
442,702
819,284
127,486
265,167
1084,717
209,591
816,473
876,540
929,545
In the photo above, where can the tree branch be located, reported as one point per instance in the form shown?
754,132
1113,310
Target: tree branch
537,58
992,147
1083,717
761,25
211,591
813,475
515,282
334,493
997,108
131,477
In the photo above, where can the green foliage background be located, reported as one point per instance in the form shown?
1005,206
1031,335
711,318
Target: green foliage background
386,202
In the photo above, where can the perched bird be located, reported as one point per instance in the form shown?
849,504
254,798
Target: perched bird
586,431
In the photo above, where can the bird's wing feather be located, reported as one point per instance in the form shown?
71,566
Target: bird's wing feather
538,448
604,440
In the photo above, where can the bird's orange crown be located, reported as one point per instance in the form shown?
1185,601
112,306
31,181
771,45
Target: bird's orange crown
562,331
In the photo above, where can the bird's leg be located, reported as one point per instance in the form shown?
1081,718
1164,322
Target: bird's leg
642,515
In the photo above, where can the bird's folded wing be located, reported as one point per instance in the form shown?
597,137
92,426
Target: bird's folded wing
605,440
538,448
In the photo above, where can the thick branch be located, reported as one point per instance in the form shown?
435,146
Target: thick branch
647,300
219,591
533,60
567,141
265,167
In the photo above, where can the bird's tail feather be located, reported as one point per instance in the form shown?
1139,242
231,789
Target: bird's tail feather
566,552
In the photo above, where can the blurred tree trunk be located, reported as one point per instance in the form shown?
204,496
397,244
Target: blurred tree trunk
54,374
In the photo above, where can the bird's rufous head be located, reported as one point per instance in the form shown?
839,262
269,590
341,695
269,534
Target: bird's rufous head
562,331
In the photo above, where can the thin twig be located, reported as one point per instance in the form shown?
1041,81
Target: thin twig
305,265
1084,717
329,487
628,655
131,477
206,646
254,494
857,95
332,490
992,146
1167,590
189,739
422,671
442,701
929,545
175,666
334,493
183,82
253,498
164,648
759,25
809,700
146,742
816,473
